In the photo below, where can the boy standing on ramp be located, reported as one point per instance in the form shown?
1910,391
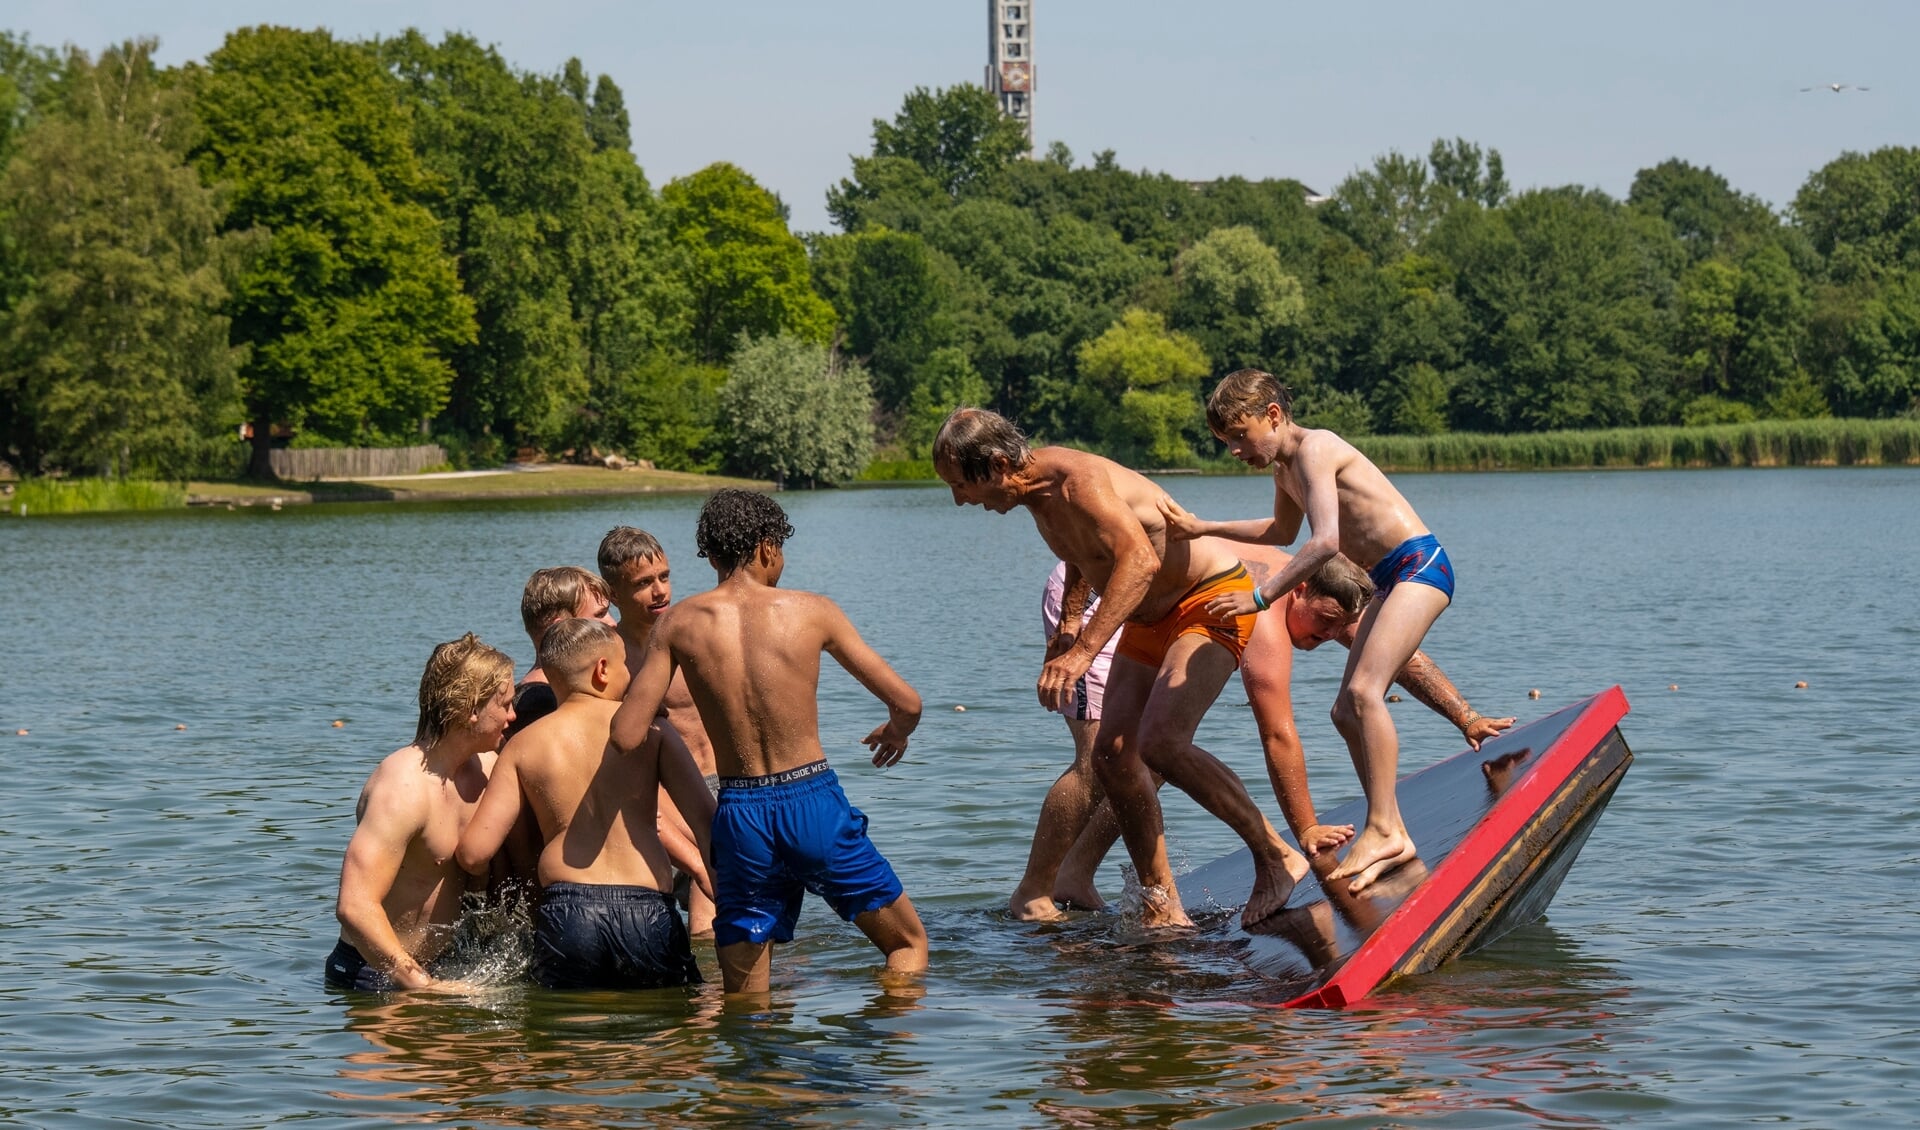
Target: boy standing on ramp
1354,510
750,652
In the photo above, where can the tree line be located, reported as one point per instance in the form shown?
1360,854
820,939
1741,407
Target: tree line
327,242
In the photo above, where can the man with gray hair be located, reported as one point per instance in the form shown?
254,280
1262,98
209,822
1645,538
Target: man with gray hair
1173,657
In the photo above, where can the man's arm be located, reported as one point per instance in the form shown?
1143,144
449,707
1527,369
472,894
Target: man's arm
1267,672
1098,507
1423,679
374,855
494,817
888,741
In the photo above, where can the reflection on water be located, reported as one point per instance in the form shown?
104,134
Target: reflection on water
170,893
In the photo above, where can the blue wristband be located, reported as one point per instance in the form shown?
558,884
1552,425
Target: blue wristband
1259,602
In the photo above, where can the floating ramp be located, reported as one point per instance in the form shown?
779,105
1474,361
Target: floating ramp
1497,831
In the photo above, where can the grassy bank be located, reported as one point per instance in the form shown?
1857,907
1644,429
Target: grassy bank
34,497
80,496
1768,443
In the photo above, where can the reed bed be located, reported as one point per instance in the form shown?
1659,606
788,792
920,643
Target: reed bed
1767,443
80,496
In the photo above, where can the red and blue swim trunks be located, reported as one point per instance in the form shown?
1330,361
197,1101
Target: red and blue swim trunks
1418,559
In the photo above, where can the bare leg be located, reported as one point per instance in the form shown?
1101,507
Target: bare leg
1188,682
699,913
895,928
1389,633
744,966
1130,789
1063,815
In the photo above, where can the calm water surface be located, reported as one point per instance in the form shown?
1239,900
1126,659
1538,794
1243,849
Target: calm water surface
1736,943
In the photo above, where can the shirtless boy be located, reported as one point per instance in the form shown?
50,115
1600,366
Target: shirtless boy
640,582
751,654
550,596
1326,606
400,888
606,918
1105,522
1352,509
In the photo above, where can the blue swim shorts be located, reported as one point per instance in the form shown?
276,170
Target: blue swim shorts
1420,560
605,936
777,837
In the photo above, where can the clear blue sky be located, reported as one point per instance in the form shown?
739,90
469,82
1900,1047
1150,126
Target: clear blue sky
788,89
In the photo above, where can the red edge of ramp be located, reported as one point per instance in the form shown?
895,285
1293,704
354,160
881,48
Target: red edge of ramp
1410,921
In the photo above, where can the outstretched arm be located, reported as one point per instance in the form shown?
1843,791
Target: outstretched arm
1424,680
1320,501
1280,529
889,741
493,818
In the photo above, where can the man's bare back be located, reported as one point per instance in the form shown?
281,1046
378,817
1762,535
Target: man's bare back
1081,490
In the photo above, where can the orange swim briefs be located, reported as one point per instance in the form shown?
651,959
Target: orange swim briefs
1148,643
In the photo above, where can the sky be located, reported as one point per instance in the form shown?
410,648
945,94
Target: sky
788,90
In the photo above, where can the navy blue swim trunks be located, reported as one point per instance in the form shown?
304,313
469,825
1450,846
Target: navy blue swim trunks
604,936
777,837
346,969
1418,559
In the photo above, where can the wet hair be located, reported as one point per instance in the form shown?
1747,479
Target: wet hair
571,646
626,543
1347,583
1243,393
461,676
971,437
554,594
735,523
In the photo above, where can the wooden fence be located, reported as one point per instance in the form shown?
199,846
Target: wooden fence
354,462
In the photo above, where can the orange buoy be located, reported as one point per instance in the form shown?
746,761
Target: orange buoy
1673,686
1800,686
1534,693
337,723
1393,698
179,725
959,710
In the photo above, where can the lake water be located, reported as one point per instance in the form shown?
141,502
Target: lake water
1737,942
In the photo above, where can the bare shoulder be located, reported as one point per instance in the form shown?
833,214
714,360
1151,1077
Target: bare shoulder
1322,446
396,791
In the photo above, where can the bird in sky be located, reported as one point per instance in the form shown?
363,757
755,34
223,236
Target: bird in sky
1835,87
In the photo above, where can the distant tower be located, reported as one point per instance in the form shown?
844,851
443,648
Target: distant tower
1010,59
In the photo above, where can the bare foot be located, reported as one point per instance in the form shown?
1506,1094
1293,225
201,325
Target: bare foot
1160,906
1032,910
1374,854
1082,898
1274,878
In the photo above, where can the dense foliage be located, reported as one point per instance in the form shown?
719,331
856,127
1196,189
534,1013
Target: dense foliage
319,241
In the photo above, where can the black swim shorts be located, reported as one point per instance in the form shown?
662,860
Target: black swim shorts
600,936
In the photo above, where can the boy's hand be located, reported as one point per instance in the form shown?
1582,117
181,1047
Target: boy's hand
1181,526
888,743
1232,604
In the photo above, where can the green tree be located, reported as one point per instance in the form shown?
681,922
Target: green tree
667,411
791,409
1709,327
118,352
1704,211
743,271
945,380
1866,345
957,135
1469,172
1140,383
1565,332
1862,213
897,318
352,305
1234,297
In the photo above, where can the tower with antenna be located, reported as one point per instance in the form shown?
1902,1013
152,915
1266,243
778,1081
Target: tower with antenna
1010,59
